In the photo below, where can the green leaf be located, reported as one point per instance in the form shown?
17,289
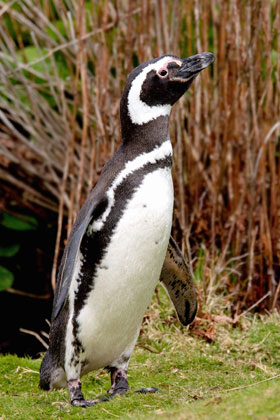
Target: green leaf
9,251
31,54
15,223
6,278
60,25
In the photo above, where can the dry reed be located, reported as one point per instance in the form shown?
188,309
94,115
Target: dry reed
225,132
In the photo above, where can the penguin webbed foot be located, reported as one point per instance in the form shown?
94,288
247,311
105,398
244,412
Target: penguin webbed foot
76,396
150,390
119,382
119,387
82,403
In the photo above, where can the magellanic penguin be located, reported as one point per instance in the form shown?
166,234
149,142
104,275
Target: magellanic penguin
120,244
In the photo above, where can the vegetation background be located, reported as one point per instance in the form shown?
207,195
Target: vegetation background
63,65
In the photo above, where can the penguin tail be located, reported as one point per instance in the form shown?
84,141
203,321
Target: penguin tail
45,372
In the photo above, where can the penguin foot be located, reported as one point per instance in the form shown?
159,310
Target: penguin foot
89,403
83,403
76,396
119,382
149,390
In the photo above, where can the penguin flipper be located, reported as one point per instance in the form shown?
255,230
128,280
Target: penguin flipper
177,280
91,210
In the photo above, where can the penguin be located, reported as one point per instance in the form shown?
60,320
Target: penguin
120,245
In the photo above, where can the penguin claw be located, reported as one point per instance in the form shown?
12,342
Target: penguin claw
150,390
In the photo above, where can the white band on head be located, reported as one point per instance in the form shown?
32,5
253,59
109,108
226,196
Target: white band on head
140,112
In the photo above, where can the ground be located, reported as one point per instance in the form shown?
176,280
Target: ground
232,371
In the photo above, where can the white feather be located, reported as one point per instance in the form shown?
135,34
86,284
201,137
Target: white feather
140,112
72,371
126,278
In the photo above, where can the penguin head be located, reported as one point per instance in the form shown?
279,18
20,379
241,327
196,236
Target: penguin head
153,87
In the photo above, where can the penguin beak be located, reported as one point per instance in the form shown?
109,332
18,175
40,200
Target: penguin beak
193,65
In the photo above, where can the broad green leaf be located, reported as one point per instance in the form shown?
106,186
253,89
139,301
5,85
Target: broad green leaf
6,278
9,251
13,222
31,54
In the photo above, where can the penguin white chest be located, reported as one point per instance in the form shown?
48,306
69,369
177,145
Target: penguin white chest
126,278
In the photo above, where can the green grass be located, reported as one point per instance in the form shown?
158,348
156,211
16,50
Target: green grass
197,379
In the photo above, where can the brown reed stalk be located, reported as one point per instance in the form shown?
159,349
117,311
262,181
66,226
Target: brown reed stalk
225,131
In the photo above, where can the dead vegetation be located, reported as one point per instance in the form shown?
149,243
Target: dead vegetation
63,65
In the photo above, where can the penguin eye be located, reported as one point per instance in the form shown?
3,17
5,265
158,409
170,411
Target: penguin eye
163,73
